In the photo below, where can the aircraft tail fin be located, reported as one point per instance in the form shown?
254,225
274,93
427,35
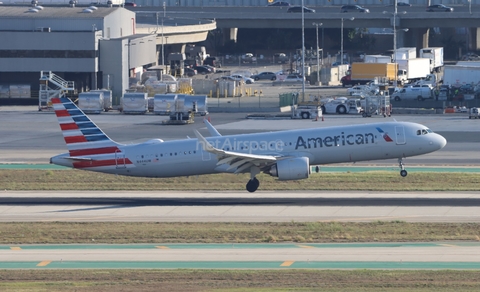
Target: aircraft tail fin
82,136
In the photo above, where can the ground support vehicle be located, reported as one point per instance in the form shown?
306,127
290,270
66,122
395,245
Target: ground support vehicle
341,105
377,105
474,114
307,111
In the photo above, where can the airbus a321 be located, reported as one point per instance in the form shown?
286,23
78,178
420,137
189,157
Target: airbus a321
287,155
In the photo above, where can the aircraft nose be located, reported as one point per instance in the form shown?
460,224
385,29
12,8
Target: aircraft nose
439,141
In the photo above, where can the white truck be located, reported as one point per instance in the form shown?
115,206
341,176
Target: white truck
377,59
411,70
457,76
405,53
306,111
436,57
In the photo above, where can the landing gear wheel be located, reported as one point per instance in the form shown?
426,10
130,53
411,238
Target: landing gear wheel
403,172
252,185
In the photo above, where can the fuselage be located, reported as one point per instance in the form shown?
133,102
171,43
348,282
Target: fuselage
338,144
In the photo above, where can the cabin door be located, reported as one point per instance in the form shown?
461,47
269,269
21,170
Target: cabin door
400,135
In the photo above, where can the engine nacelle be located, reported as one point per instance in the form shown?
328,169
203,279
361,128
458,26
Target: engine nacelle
291,168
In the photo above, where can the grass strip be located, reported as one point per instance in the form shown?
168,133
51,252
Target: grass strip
220,232
238,280
56,180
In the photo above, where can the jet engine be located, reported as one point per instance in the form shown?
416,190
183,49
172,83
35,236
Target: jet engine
291,168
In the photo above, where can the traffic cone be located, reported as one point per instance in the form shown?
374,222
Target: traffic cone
208,119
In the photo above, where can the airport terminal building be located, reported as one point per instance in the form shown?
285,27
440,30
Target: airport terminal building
96,47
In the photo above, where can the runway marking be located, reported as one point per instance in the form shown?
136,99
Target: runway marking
448,245
305,246
43,264
287,263
162,247
15,248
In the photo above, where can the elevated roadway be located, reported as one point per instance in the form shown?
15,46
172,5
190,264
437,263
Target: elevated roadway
277,17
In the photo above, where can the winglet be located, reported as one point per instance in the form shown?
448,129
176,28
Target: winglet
211,128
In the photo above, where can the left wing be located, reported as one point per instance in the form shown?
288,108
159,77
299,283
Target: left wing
236,160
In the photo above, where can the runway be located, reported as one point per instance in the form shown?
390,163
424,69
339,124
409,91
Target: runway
244,256
301,206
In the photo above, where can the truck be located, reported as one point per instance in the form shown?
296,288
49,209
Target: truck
456,76
436,57
363,73
377,59
405,53
410,70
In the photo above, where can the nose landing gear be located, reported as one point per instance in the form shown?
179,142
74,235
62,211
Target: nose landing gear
403,172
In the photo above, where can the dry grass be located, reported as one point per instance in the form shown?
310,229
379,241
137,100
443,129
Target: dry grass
369,181
310,232
238,280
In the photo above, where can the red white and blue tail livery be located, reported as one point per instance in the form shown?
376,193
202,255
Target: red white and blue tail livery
287,155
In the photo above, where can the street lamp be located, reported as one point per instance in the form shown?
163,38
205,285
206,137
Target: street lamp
318,61
394,14
163,50
341,40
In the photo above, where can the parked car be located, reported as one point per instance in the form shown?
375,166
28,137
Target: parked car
130,4
296,9
279,3
291,79
226,78
403,4
203,69
264,76
354,8
190,71
439,7
239,77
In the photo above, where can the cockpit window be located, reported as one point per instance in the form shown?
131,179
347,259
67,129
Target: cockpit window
424,131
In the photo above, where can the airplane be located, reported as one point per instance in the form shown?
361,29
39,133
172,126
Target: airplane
286,155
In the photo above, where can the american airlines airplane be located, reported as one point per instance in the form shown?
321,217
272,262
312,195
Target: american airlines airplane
283,154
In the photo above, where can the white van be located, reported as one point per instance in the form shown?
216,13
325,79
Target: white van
413,93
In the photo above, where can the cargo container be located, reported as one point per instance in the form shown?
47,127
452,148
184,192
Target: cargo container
107,98
363,73
164,104
134,103
200,102
91,102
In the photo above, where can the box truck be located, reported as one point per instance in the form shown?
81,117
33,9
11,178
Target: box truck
411,70
363,73
436,57
405,53
377,59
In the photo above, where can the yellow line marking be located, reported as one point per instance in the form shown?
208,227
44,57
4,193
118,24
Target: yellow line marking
43,264
448,245
287,263
162,247
15,248
306,246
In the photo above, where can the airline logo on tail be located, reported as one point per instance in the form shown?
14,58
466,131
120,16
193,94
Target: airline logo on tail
84,139
384,135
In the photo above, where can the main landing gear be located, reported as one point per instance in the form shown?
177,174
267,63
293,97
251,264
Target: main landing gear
253,183
403,172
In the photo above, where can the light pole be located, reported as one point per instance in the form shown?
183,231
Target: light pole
341,40
303,52
163,50
394,14
318,61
